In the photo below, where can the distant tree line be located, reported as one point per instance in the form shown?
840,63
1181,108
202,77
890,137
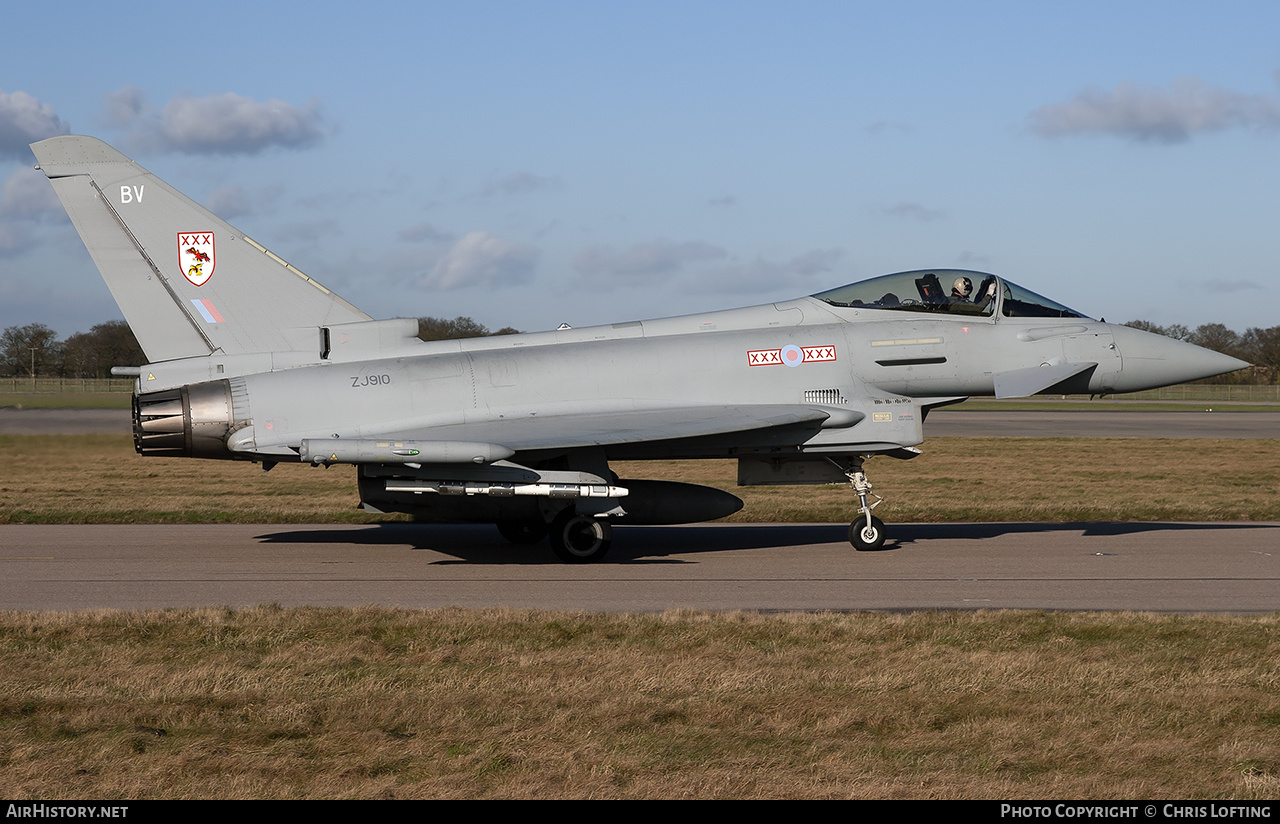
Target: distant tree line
34,349
459,327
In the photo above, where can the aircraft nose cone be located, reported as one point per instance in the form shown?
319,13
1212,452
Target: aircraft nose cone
1149,361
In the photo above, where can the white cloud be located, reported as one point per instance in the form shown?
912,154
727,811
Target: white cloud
662,260
656,259
27,193
14,239
520,183
974,260
228,202
309,232
124,107
483,259
24,120
225,123
769,276
422,232
230,124
1155,115
1228,286
916,211
814,262
26,199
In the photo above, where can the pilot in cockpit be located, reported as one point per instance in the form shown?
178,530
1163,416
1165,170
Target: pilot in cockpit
986,292
960,290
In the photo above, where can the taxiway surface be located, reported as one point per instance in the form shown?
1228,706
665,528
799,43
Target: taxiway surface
1164,567
1167,567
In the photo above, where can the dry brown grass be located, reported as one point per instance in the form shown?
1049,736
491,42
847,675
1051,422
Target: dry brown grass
325,703
99,479
1052,479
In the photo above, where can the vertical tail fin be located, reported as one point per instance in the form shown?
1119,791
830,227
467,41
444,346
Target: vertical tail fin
188,283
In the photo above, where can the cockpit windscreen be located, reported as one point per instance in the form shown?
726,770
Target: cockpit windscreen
1023,303
946,291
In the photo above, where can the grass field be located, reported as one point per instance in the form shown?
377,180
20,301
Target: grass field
100,479
376,703
372,703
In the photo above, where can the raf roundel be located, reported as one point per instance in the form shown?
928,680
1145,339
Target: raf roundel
792,355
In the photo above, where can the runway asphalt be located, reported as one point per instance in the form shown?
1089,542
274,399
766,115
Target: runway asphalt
1165,567
65,421
1162,567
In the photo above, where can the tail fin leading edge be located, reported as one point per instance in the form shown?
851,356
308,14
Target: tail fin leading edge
189,284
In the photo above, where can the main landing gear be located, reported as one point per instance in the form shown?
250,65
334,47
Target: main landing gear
574,538
522,532
866,533
580,539
573,512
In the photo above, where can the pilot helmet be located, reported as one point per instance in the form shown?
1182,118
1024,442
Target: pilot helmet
962,286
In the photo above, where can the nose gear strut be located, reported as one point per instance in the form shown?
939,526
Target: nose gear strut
867,531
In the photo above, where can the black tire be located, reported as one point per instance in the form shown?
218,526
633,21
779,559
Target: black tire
522,532
864,538
580,539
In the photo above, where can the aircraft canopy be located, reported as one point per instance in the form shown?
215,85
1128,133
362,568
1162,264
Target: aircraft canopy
946,291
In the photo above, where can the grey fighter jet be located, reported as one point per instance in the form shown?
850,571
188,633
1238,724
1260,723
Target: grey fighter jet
252,360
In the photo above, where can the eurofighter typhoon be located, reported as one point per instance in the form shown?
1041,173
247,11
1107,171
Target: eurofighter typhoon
252,360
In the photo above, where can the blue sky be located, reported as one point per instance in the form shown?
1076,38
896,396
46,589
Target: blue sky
533,163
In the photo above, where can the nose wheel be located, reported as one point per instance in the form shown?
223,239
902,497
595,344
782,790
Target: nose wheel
866,533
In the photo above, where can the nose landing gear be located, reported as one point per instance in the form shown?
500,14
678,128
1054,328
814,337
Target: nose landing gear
866,533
